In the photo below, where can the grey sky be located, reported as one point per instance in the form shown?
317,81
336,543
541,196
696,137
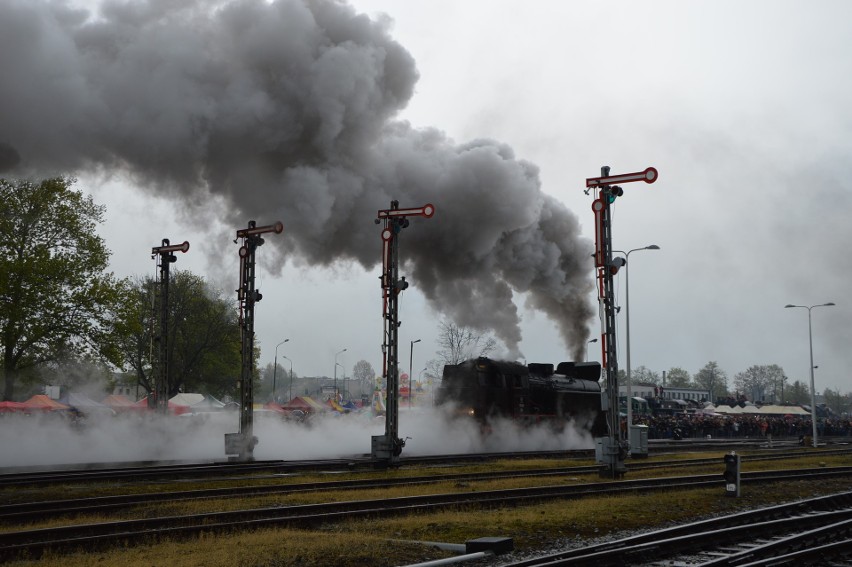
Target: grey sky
742,107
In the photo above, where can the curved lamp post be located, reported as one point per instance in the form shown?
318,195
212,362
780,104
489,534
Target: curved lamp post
335,371
410,377
291,375
587,347
627,331
275,366
811,345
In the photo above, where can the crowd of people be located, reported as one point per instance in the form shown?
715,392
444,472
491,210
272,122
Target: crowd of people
686,426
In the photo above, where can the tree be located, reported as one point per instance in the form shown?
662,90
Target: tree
55,294
677,377
365,375
798,393
203,336
760,381
644,375
714,379
835,401
462,343
89,376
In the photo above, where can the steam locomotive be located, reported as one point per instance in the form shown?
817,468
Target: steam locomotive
529,394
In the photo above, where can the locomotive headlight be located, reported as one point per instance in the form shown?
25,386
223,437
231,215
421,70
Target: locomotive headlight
471,412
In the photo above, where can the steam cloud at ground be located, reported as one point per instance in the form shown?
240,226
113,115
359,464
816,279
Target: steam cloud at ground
47,440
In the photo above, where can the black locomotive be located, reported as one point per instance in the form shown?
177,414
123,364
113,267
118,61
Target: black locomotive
530,394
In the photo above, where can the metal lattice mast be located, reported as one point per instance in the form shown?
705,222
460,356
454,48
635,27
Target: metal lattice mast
610,450
244,441
389,446
165,258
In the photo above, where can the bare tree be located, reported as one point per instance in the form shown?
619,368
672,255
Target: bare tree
365,375
462,343
760,381
714,379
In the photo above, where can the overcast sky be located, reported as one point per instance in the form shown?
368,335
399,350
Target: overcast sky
743,108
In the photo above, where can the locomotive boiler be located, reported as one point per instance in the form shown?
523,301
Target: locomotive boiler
529,394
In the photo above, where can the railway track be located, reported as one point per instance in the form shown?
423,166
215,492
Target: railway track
788,534
90,472
216,470
97,535
43,510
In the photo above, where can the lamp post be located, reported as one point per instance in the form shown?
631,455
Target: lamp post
410,377
275,366
291,376
587,347
627,331
335,371
811,345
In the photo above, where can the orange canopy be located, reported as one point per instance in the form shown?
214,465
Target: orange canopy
44,403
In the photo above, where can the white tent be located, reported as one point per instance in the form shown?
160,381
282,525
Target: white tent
771,409
197,402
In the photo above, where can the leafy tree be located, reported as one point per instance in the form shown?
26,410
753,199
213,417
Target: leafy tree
203,336
55,294
677,377
714,379
462,343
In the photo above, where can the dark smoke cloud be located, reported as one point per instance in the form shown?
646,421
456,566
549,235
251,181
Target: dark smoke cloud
9,157
287,110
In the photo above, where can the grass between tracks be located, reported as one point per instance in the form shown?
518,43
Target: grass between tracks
376,542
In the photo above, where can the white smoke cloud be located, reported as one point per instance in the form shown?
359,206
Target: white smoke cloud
42,440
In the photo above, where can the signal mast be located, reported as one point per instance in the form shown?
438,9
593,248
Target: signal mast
243,443
164,257
610,451
389,446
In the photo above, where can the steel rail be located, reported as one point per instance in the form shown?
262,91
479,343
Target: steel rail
665,544
55,508
34,541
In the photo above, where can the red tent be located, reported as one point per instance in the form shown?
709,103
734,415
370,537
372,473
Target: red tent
117,402
173,407
41,402
305,404
6,407
274,407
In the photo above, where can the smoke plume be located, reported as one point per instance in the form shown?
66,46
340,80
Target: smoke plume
288,111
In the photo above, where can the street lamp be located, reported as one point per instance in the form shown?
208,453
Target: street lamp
335,371
627,331
291,377
275,366
587,347
811,344
410,377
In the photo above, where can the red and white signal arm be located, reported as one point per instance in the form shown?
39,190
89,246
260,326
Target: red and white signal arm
598,207
649,175
425,211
